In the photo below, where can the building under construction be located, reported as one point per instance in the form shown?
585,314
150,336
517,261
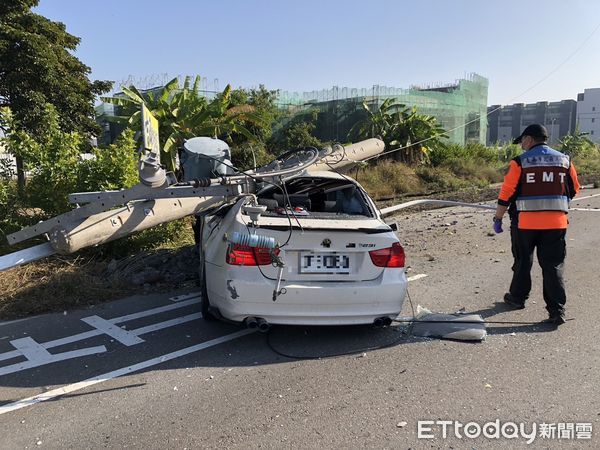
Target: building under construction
459,107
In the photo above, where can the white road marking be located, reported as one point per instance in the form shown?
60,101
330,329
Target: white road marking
31,349
392,209
151,312
9,322
584,209
54,358
119,372
417,277
166,324
96,332
179,298
576,199
123,336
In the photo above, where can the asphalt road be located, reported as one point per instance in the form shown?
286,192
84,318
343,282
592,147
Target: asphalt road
147,373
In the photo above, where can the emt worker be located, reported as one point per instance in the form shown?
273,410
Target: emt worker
541,182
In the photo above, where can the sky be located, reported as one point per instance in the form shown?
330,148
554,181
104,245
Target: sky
529,50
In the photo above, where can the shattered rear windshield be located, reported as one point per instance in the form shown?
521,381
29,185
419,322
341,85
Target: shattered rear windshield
316,197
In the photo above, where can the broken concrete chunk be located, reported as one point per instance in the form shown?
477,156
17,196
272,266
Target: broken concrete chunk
462,327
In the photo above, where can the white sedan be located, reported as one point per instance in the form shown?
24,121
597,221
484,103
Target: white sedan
310,250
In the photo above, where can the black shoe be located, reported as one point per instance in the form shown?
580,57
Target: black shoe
555,320
512,302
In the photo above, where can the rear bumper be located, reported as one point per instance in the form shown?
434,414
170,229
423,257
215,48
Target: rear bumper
248,294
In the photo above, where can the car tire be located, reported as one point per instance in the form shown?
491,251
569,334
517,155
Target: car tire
204,301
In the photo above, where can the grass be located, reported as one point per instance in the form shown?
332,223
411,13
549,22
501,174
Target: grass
391,180
59,283
588,170
55,284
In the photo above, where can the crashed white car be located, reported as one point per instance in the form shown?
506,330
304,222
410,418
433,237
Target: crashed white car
310,250
278,245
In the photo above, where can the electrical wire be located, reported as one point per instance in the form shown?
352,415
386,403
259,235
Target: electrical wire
406,333
540,81
289,202
508,322
329,355
258,180
341,354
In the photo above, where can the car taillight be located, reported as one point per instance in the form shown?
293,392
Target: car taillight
243,255
388,257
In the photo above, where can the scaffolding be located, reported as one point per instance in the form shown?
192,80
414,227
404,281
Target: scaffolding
460,107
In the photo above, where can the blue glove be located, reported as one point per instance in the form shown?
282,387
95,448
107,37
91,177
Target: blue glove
498,225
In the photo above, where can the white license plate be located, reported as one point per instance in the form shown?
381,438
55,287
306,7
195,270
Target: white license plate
324,262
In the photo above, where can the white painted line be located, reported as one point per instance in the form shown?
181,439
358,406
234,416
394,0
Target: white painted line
584,209
576,199
151,312
166,324
417,277
75,354
54,358
392,209
179,298
123,336
70,339
119,372
9,322
93,333
33,351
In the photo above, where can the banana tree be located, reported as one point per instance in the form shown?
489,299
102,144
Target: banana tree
416,133
182,113
379,122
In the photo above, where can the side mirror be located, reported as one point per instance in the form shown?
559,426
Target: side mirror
393,226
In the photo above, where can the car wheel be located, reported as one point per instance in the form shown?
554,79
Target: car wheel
204,301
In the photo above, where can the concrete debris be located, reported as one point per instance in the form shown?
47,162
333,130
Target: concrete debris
462,327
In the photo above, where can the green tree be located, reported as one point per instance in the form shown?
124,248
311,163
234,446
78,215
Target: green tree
113,167
51,156
250,153
37,67
415,133
296,131
378,123
182,113
261,103
399,126
54,161
578,145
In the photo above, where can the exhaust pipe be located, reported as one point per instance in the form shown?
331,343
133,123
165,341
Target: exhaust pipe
251,322
263,325
382,322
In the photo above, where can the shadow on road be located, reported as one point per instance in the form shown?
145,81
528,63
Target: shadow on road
506,327
281,344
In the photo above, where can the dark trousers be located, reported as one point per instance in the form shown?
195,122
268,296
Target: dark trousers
551,252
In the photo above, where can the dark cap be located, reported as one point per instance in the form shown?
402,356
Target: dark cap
535,130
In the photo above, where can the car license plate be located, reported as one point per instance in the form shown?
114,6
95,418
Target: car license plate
324,262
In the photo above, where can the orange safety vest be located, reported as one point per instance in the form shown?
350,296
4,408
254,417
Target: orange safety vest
541,183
